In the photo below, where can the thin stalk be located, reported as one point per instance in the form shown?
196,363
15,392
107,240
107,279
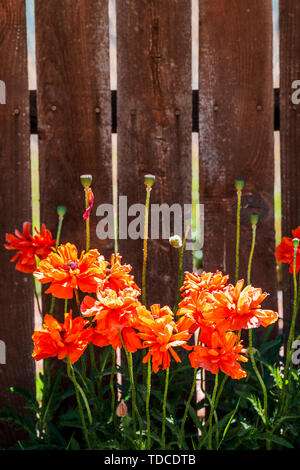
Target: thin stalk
238,231
148,405
72,377
66,306
87,222
37,298
187,406
291,333
60,221
163,432
135,411
180,268
221,390
111,385
250,335
251,254
212,410
148,191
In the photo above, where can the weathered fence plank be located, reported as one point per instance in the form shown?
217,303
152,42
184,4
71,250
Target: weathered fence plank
236,134
74,111
16,294
154,124
289,133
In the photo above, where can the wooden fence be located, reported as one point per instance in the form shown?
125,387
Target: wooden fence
153,119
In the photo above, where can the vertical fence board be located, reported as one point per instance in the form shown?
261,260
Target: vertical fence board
154,124
16,294
74,111
236,134
289,132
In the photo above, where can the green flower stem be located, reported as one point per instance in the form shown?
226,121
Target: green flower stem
135,411
111,385
163,432
251,254
250,335
220,391
238,231
37,298
212,409
87,222
148,405
60,221
187,406
259,377
148,191
289,351
72,377
180,268
66,306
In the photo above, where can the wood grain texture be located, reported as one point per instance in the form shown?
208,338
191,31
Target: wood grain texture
74,109
16,294
289,133
154,124
236,135
74,113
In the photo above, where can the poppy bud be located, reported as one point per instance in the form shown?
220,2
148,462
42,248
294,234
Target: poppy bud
149,180
121,410
239,185
86,180
61,210
175,241
296,242
254,218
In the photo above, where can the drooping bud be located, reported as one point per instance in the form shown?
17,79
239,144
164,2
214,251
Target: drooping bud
239,185
149,180
254,218
90,200
175,241
61,210
121,410
296,242
86,180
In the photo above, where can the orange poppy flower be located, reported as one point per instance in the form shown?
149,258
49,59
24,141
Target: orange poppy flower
114,312
118,276
194,305
284,253
66,272
221,353
29,246
159,333
193,282
238,308
62,339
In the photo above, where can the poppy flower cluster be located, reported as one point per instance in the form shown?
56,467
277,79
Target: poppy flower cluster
284,252
113,315
29,246
219,310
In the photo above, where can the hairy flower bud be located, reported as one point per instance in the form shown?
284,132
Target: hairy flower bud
254,218
61,210
86,180
121,410
149,180
175,241
296,242
239,185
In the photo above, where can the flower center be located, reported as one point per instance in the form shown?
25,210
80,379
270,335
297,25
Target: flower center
72,265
